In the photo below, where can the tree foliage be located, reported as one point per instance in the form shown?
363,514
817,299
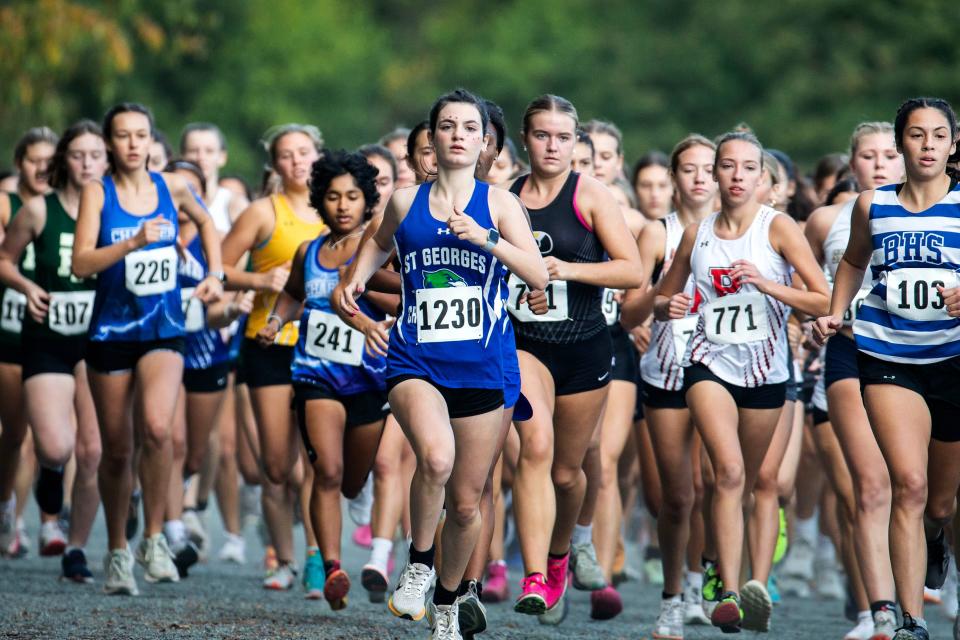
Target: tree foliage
802,73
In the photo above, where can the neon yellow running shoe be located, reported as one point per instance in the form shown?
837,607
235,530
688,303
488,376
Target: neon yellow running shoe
783,542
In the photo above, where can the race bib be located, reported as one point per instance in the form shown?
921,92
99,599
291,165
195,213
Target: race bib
556,293
194,315
14,306
70,312
449,314
610,306
736,319
152,272
854,309
912,293
330,338
682,330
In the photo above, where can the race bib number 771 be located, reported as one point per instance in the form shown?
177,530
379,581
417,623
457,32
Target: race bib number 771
736,319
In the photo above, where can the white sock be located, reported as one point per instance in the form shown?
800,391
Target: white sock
694,579
806,529
825,551
380,555
582,534
175,532
864,615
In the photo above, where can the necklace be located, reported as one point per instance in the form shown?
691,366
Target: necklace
338,242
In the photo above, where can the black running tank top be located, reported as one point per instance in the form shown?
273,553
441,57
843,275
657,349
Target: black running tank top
561,232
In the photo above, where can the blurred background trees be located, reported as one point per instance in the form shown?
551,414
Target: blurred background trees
802,73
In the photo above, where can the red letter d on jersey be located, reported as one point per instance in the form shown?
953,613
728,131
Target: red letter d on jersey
723,282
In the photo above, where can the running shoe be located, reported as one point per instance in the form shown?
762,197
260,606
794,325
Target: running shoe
314,575
63,519
938,561
445,622
74,567
233,550
24,539
250,507
728,615
863,630
185,557
799,562
193,523
363,537
932,596
757,606
911,630
533,595
270,562
783,540
8,525
794,587
407,601
52,540
496,588
693,613
653,566
712,584
375,581
557,613
773,589
557,569
828,583
884,624
118,567
587,574
335,588
605,603
280,579
155,557
133,515
472,614
360,507
669,624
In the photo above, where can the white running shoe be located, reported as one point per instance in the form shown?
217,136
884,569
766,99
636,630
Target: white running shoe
444,622
233,550
948,594
799,560
280,579
669,625
193,523
587,574
361,507
693,606
884,624
863,630
52,540
757,606
155,557
118,565
250,507
8,525
408,600
22,537
828,583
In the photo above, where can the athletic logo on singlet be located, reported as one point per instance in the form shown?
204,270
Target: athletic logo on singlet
723,282
441,279
544,241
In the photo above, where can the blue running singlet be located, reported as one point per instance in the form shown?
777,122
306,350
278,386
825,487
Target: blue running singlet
904,318
448,330
204,347
329,353
138,297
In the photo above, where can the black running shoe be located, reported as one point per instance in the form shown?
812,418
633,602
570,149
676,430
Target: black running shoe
938,561
911,630
186,557
133,516
74,566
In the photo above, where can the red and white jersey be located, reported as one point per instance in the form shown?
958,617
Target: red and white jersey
660,365
741,335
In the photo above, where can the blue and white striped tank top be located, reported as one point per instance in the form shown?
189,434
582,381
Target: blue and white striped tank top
328,352
904,319
448,330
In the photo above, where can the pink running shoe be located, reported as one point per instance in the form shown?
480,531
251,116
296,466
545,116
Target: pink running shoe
496,588
605,603
557,579
363,537
533,599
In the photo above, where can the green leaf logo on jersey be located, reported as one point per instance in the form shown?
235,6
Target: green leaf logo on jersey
442,279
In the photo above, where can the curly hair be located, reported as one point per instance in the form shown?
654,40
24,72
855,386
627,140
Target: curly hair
336,164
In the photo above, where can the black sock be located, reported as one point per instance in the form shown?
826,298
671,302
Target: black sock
49,490
201,505
422,557
465,586
441,596
668,596
882,605
329,566
559,556
651,553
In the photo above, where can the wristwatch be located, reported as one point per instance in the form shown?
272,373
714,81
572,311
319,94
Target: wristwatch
219,275
493,237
